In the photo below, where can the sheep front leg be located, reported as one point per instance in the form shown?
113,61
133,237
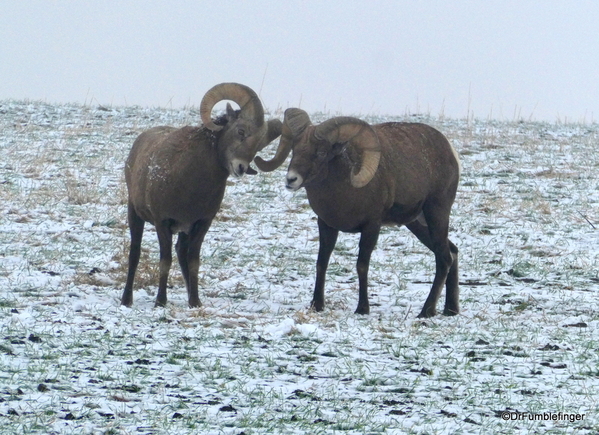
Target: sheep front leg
165,240
368,239
328,239
196,238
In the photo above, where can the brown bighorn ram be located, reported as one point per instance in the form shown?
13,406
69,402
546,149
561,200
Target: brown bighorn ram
176,179
359,177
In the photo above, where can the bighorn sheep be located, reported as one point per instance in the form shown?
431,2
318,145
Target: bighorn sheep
408,175
176,179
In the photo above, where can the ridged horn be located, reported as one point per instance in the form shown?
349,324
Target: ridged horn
360,135
294,123
245,97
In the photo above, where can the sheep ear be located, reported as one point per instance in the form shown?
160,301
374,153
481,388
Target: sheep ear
338,148
231,112
246,99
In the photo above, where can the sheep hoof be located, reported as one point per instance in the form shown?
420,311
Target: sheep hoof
362,310
425,314
195,304
317,306
451,312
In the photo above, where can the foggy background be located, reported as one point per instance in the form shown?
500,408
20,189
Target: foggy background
522,59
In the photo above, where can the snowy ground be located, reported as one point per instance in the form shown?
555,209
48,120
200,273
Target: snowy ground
254,359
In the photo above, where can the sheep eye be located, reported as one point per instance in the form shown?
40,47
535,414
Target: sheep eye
241,132
321,153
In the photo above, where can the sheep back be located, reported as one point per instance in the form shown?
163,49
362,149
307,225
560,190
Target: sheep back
410,151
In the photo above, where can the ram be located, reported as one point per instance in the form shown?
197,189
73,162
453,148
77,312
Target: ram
176,179
359,177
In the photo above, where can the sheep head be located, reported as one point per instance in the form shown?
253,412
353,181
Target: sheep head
245,132
314,146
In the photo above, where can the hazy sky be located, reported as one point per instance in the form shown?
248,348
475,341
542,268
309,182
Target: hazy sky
502,59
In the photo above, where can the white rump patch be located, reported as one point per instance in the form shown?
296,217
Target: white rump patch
457,157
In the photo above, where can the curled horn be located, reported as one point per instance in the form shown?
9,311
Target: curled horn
246,98
294,123
360,135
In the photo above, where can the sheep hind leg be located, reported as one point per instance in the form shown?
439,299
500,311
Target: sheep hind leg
165,240
446,272
452,298
182,248
196,238
328,239
136,229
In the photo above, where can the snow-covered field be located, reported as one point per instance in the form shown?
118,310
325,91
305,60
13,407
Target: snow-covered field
254,359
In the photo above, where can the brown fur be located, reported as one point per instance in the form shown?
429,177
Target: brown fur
176,180
415,185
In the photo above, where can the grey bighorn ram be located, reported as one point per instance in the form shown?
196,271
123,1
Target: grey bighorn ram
176,179
359,177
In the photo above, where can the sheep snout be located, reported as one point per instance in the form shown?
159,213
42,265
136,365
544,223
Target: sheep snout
238,167
294,180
